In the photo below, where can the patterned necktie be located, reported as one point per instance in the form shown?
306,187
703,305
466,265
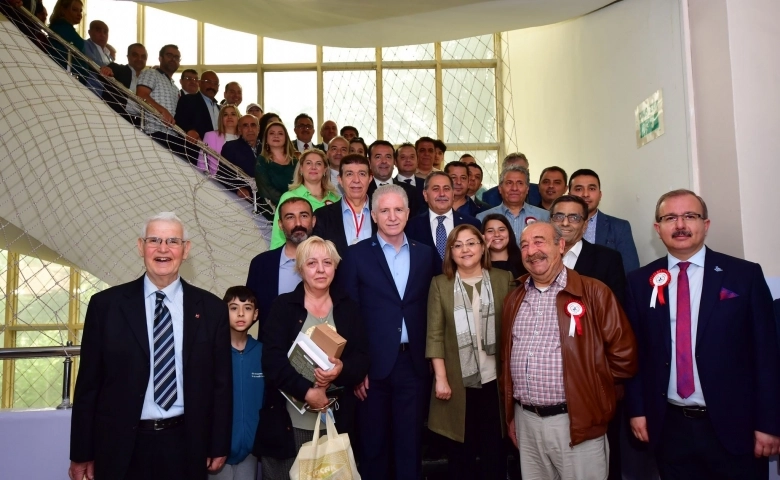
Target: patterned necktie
164,355
684,363
441,235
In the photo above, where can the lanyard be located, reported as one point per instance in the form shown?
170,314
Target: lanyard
358,225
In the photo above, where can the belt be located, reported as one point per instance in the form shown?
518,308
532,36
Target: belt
546,410
161,424
403,347
690,412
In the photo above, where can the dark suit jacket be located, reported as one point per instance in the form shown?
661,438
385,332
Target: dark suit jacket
366,277
240,154
114,374
193,114
411,194
263,280
736,351
419,228
473,207
604,264
330,226
493,198
615,233
419,187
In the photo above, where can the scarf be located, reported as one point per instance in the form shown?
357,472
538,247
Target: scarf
466,332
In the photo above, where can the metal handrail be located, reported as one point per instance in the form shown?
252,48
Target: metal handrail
68,351
73,51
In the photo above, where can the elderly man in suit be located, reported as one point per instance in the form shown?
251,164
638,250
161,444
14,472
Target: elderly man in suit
197,113
348,221
707,395
603,229
433,228
389,276
273,272
153,398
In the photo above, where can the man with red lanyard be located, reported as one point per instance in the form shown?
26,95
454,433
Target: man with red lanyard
349,221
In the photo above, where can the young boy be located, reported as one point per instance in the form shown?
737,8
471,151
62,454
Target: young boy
248,385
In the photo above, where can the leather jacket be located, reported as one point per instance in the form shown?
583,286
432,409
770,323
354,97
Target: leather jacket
605,354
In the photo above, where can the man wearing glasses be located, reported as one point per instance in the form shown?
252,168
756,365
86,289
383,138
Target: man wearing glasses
189,82
153,398
707,395
304,132
197,113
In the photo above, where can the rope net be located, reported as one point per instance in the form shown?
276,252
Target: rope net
80,173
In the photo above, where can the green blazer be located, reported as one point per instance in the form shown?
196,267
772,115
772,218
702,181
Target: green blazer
448,417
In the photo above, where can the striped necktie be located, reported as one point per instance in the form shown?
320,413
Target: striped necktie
164,355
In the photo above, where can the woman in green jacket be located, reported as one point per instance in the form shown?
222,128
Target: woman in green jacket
464,325
275,167
312,182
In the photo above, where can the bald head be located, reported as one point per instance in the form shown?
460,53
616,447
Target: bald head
98,32
249,128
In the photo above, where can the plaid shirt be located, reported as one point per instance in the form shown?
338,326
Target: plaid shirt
536,363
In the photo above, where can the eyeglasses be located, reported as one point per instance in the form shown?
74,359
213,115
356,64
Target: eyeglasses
305,127
470,244
572,217
688,217
210,82
173,56
171,242
190,79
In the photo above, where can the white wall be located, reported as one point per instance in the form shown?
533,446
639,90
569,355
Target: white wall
575,86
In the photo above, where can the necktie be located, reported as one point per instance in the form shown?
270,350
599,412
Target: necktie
441,235
164,355
382,184
685,385
408,181
305,146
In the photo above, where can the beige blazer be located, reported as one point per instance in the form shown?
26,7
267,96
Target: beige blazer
448,417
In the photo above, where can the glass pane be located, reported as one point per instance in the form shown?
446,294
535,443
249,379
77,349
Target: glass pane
469,48
350,99
3,280
163,28
90,285
335,54
487,159
225,47
248,82
43,292
121,18
37,382
409,53
290,93
279,51
409,103
469,105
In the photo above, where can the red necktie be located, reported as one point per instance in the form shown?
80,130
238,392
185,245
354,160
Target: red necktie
305,146
685,384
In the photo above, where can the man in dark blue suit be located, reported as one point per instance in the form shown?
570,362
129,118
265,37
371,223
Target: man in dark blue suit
603,229
389,275
493,197
273,273
707,395
406,163
430,226
197,113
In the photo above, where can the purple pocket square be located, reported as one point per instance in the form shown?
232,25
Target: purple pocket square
725,294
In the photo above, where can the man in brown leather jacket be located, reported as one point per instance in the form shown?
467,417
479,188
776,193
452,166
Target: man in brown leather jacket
567,345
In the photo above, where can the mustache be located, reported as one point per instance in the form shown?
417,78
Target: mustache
535,257
682,233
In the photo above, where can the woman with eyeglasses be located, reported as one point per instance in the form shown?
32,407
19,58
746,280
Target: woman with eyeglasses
358,146
282,429
502,244
312,182
227,130
464,326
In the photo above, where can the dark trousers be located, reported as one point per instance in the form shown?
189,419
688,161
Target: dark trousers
690,449
614,432
390,419
482,438
178,145
160,455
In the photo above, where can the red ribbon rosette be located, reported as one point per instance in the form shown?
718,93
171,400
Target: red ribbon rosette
576,310
658,281
529,220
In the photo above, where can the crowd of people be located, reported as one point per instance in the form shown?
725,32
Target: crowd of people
517,312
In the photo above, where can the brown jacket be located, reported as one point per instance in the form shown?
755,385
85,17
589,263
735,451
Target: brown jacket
593,362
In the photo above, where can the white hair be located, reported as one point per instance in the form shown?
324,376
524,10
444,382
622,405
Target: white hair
165,217
386,190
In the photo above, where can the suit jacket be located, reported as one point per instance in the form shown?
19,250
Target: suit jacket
263,280
115,98
736,351
605,265
193,114
473,207
615,233
419,186
419,228
114,375
330,226
493,198
366,276
411,194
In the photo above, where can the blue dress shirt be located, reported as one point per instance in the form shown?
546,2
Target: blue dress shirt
349,222
517,222
399,263
288,276
213,107
590,231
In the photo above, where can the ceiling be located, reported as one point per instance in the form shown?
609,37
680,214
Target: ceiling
377,23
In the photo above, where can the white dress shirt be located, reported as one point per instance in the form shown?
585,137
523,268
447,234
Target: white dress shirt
449,222
379,182
413,179
299,145
695,281
570,259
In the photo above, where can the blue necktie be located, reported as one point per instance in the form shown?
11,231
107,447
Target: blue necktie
164,355
441,235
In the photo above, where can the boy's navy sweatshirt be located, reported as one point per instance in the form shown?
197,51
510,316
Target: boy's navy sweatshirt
248,387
